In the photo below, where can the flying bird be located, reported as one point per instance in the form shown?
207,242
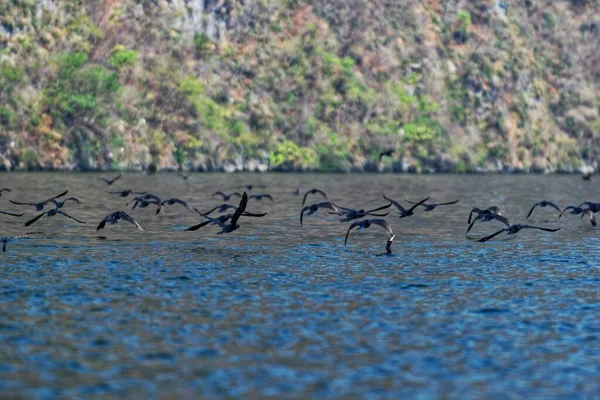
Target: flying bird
114,217
431,207
222,219
261,196
221,208
313,209
513,229
4,241
60,204
232,225
594,207
350,214
226,197
125,193
404,212
176,201
51,213
313,191
250,187
147,198
364,224
489,216
479,212
544,203
110,181
40,206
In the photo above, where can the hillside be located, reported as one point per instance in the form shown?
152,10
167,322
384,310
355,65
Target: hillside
453,86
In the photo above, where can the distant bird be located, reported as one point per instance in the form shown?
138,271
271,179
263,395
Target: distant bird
40,206
489,216
587,176
364,224
4,241
183,176
221,208
222,219
110,181
386,153
176,201
261,196
232,225
51,213
147,198
513,229
544,203
14,215
431,207
479,212
250,187
404,212
60,204
125,193
114,217
226,197
4,190
313,191
350,214
313,209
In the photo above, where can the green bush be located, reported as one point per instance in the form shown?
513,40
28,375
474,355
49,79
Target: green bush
121,57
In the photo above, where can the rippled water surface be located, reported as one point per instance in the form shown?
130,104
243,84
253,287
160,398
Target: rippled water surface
279,310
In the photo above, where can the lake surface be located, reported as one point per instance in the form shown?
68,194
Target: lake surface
279,310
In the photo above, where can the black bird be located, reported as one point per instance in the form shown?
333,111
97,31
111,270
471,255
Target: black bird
250,187
110,181
60,204
350,214
232,225
364,224
51,213
176,201
587,176
386,153
221,208
4,241
114,217
544,203
222,219
479,212
431,207
225,196
574,210
4,190
147,198
14,215
40,206
313,209
313,191
261,196
404,212
488,216
513,229
594,207
125,193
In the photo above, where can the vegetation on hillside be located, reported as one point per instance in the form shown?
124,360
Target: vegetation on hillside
300,85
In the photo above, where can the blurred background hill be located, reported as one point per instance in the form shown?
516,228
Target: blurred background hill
452,86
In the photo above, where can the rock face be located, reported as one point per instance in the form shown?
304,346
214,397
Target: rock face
248,85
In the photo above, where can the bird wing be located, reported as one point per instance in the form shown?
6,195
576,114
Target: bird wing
75,199
354,225
23,204
206,213
540,228
31,221
377,209
241,208
302,213
200,225
111,181
247,214
533,208
394,202
447,203
377,215
130,219
68,216
101,225
384,225
14,215
417,204
268,196
219,193
313,191
144,192
501,218
493,235
57,196
5,190
471,226
551,204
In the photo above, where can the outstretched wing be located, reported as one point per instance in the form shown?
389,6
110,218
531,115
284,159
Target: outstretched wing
219,193
384,225
111,181
247,214
377,209
533,208
241,208
130,219
101,225
68,216
200,225
493,235
23,204
394,202
14,215
57,196
354,225
206,213
31,221
75,199
448,203
501,218
551,204
417,204
313,191
540,228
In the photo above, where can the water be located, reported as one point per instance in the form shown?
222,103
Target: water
278,310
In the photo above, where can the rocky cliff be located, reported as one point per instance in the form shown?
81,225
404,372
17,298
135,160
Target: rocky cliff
300,85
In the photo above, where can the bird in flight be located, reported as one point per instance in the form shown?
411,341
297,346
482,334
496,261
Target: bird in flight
350,214
513,229
176,201
60,204
125,193
364,224
226,197
232,225
544,203
313,191
313,209
250,187
488,216
221,208
261,196
404,212
40,206
113,218
222,219
480,212
51,213
431,207
110,181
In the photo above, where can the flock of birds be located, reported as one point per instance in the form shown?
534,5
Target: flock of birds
230,222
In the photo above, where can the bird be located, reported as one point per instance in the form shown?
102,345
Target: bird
543,203
364,224
147,198
431,207
40,206
250,187
51,213
125,193
4,190
232,225
110,181
587,176
60,204
575,210
313,191
183,176
313,209
176,201
588,213
350,214
261,196
225,196
4,241
488,216
404,212
222,219
221,208
14,215
112,219
513,229
594,207
386,153
479,212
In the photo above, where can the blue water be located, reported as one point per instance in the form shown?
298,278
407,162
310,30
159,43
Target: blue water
278,310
